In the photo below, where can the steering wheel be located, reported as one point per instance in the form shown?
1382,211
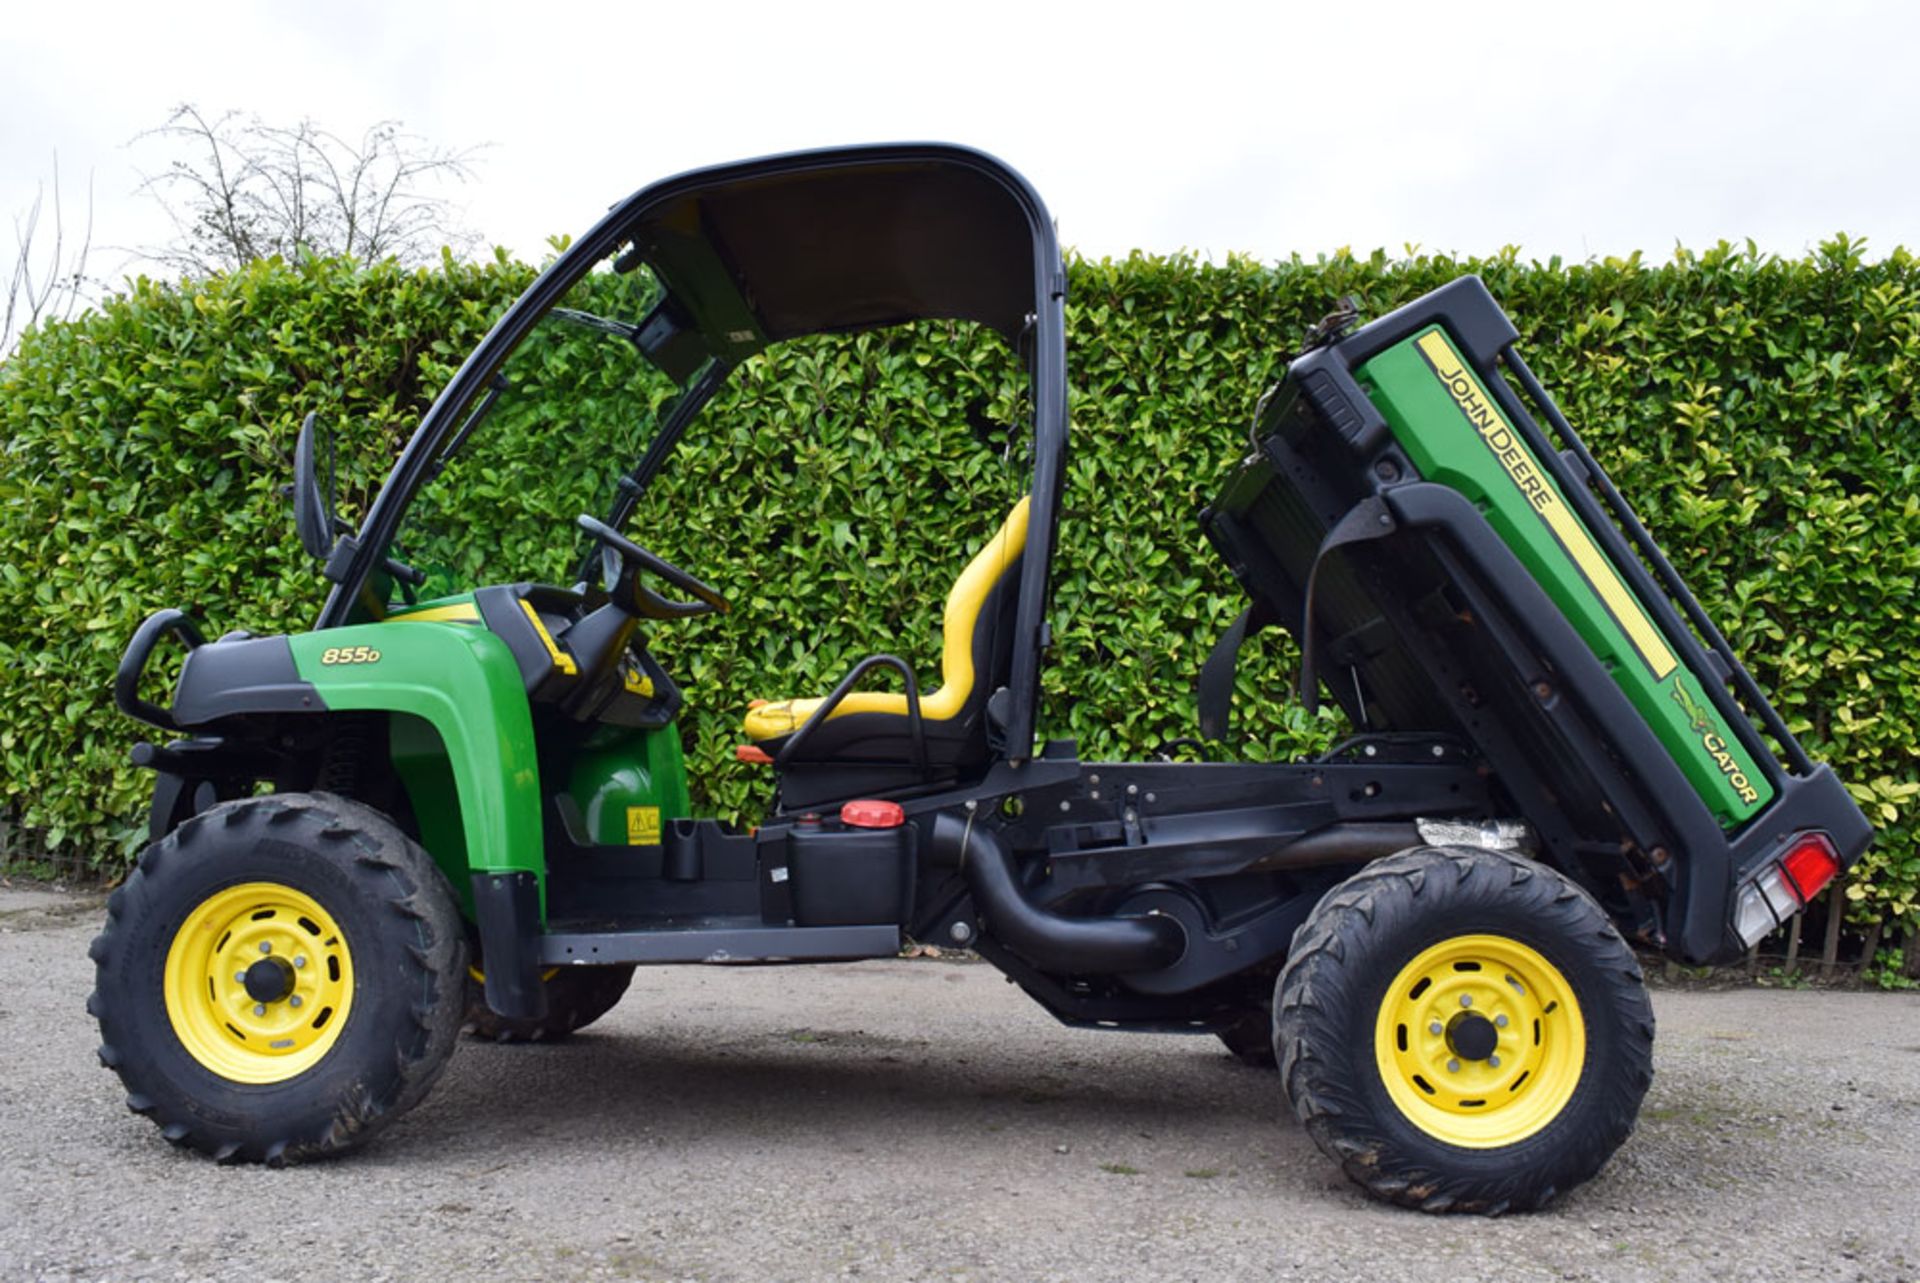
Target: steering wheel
629,591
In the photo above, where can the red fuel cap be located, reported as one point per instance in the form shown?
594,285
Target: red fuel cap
868,813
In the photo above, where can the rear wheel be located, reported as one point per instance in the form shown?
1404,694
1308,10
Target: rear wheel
279,978
1464,1030
576,997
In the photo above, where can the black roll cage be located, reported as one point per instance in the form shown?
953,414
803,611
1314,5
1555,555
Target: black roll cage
1041,334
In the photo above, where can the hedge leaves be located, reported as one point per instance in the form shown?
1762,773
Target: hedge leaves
1759,412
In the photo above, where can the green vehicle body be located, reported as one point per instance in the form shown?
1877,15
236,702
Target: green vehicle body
473,809
1455,433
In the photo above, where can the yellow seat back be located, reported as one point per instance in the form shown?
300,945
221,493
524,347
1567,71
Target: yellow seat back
960,622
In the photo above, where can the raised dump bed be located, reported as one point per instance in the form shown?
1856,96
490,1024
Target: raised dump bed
1448,564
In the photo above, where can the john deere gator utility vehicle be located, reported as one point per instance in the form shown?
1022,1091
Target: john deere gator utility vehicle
460,798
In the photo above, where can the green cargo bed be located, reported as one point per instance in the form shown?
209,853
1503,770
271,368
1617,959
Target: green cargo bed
1448,567
1444,418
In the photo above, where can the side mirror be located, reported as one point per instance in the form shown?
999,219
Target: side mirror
312,513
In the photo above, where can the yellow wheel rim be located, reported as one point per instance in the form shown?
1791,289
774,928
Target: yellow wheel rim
258,983
1480,1041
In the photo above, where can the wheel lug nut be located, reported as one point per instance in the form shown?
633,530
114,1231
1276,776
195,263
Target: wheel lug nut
239,977
1466,999
265,947
1491,1060
259,1009
1453,1066
301,961
1500,1021
295,1001
1436,1028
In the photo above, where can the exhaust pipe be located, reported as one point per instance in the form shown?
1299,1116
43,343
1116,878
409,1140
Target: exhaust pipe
1088,946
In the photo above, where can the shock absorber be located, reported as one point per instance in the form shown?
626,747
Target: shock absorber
343,766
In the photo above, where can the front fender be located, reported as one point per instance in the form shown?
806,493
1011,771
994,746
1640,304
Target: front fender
465,682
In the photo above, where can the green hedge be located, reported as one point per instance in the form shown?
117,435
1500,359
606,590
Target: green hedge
1760,413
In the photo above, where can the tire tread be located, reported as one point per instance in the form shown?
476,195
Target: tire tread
393,870
1315,998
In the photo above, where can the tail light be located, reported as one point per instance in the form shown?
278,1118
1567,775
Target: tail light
1810,863
1782,887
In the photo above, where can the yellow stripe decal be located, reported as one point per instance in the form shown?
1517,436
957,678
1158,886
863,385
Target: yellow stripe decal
561,660
1540,494
459,613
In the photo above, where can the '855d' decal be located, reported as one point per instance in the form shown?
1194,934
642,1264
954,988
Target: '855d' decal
349,655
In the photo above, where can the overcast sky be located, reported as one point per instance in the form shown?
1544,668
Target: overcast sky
1578,130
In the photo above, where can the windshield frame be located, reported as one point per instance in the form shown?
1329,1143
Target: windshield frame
360,559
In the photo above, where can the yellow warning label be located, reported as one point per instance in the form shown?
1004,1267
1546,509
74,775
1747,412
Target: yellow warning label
643,826
1525,474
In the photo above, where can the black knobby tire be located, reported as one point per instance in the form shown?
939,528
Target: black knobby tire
1330,1010
576,997
402,938
1250,1038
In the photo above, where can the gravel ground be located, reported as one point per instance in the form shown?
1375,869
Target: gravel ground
923,1120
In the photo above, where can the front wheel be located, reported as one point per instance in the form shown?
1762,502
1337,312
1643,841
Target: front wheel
280,977
1464,1030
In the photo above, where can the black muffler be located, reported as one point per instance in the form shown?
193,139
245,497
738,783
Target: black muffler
1076,946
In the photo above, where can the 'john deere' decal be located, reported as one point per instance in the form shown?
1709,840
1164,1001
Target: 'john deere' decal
1500,438
1461,429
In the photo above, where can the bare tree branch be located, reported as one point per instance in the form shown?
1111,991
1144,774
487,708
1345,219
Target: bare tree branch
44,286
249,189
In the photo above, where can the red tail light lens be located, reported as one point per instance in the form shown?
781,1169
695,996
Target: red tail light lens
1809,865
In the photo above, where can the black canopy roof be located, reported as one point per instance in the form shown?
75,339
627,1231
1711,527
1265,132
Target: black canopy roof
848,247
